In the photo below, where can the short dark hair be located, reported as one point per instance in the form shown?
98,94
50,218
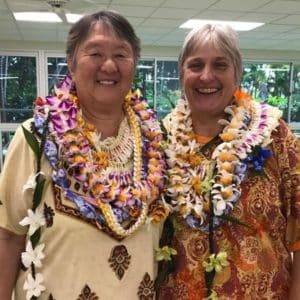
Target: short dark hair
113,20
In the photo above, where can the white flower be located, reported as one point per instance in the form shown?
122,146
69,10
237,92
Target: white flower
33,255
31,182
34,220
33,285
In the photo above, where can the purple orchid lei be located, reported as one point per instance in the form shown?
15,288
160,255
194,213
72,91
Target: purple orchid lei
57,118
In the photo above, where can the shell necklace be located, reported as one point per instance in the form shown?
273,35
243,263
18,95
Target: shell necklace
120,200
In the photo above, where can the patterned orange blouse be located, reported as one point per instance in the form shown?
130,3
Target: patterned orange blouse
259,257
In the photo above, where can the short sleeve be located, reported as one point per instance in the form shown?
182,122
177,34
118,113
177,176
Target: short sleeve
288,149
18,166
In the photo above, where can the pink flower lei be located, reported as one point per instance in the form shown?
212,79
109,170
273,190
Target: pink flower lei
110,199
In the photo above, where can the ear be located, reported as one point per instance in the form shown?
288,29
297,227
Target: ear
71,66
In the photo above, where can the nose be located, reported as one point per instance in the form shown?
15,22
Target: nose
207,73
108,65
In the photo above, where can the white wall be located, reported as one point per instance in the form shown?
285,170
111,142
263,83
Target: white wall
161,52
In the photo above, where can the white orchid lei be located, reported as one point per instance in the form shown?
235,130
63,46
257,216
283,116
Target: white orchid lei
203,191
111,199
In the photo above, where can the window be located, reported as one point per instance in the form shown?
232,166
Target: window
144,80
5,138
18,88
269,83
167,87
57,69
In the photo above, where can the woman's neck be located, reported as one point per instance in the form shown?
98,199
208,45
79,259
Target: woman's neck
206,126
107,123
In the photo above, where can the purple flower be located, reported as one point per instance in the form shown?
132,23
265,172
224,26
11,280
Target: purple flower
257,158
59,177
120,214
39,121
86,209
50,151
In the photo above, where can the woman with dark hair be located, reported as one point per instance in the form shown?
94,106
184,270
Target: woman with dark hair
81,185
234,183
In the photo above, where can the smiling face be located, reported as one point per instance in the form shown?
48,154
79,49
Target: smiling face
208,79
102,69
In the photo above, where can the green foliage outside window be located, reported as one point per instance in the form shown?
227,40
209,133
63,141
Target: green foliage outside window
18,88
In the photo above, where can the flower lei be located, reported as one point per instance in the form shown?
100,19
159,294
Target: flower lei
112,200
204,191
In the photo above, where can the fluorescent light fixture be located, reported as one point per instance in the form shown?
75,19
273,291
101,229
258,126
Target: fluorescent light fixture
144,67
62,64
44,17
238,26
73,18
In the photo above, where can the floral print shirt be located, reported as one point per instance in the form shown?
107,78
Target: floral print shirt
259,255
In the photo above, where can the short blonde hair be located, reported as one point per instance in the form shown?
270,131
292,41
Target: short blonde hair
222,37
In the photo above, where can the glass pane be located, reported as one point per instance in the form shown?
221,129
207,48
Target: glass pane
295,105
144,80
57,69
167,87
5,137
18,88
268,82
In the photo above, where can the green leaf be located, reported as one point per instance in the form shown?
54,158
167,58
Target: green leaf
35,238
38,192
235,221
32,141
209,278
166,267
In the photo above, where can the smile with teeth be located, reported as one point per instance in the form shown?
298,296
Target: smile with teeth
107,82
207,90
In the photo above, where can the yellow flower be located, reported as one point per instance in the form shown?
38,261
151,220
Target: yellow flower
216,262
213,296
197,184
164,253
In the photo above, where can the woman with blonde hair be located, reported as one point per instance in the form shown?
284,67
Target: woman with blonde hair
234,183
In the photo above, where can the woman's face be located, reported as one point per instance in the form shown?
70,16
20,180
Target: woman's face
208,80
103,69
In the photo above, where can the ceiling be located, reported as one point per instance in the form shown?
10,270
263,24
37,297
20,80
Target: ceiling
157,21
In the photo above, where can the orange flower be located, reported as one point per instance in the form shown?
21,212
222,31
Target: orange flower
140,106
101,158
225,156
78,159
158,214
227,166
195,160
123,196
241,97
97,188
227,136
226,193
226,179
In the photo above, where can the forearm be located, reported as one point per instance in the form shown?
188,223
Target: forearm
295,287
11,246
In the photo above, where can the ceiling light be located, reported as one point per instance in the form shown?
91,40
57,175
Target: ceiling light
48,17
73,18
144,67
238,26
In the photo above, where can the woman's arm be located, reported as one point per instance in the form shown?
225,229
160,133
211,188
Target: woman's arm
11,247
295,288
